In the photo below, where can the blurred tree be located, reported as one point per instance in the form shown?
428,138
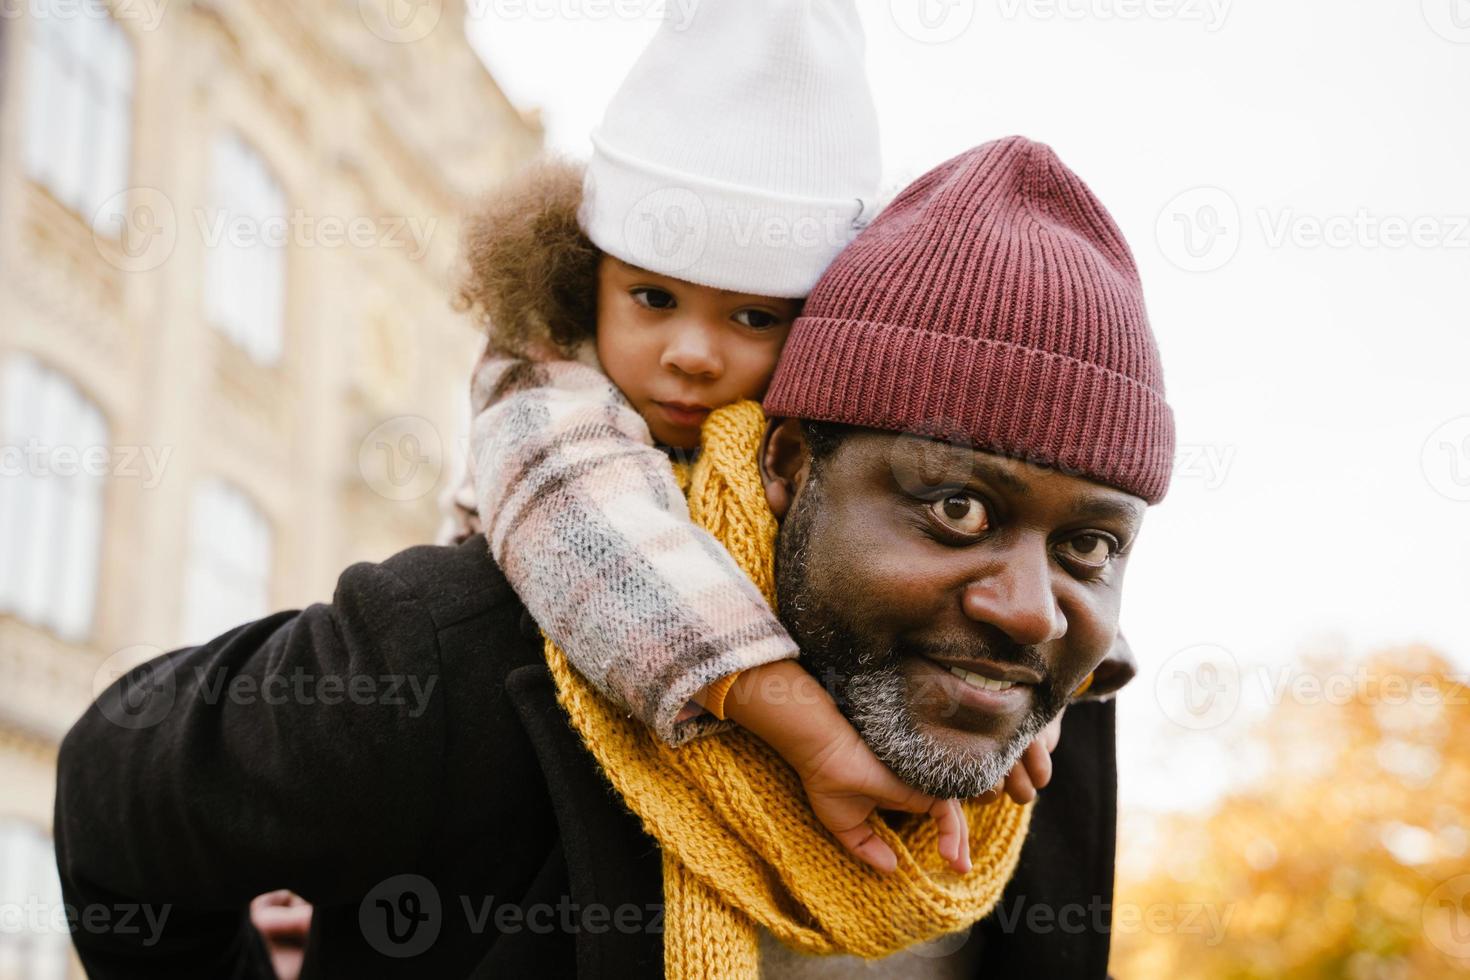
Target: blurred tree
1350,858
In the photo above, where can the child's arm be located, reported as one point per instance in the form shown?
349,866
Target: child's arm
584,517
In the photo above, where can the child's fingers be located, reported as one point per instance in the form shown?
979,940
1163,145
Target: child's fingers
1037,760
868,847
1052,733
892,793
954,834
1018,782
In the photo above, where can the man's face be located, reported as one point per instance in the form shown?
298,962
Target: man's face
950,599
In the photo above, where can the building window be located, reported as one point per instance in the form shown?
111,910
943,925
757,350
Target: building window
30,947
245,238
228,578
79,108
50,498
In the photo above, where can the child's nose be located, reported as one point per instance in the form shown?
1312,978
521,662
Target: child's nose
692,350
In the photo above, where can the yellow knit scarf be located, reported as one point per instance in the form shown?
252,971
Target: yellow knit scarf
741,846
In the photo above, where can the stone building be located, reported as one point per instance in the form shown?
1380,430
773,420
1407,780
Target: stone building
228,364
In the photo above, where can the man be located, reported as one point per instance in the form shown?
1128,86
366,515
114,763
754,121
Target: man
966,427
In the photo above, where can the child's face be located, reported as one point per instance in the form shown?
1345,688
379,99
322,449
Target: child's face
678,350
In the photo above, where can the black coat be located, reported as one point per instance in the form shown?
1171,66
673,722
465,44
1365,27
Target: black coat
402,749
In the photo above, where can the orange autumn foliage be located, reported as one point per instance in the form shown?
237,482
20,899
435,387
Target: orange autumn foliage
1351,856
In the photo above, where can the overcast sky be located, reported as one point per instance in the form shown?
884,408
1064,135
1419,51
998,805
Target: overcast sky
1293,180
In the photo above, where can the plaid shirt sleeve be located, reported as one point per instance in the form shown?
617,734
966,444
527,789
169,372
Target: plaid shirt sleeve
584,517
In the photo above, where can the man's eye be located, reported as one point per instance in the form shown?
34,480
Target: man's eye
1090,550
654,299
757,319
961,513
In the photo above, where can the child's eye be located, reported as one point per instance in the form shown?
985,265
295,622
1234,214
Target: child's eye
757,319
652,297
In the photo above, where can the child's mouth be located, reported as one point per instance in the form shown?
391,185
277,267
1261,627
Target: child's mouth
682,414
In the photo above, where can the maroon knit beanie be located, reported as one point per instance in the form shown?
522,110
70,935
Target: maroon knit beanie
994,302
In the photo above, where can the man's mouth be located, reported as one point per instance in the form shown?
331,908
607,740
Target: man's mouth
981,681
974,687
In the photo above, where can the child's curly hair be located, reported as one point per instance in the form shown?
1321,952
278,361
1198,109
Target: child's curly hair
531,276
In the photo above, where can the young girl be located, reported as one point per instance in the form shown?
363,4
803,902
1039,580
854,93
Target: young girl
622,307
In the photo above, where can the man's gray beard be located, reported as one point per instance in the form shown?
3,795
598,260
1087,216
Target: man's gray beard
877,705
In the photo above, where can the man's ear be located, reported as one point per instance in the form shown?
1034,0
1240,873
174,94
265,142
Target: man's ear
784,462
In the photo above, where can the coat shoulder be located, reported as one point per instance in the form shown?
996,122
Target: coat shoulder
451,583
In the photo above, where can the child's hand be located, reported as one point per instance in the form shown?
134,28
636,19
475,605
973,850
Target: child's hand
846,782
1033,770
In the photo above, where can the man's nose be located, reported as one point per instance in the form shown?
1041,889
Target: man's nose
692,350
1016,597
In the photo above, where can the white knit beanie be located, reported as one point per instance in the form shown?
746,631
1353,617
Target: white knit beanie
741,152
